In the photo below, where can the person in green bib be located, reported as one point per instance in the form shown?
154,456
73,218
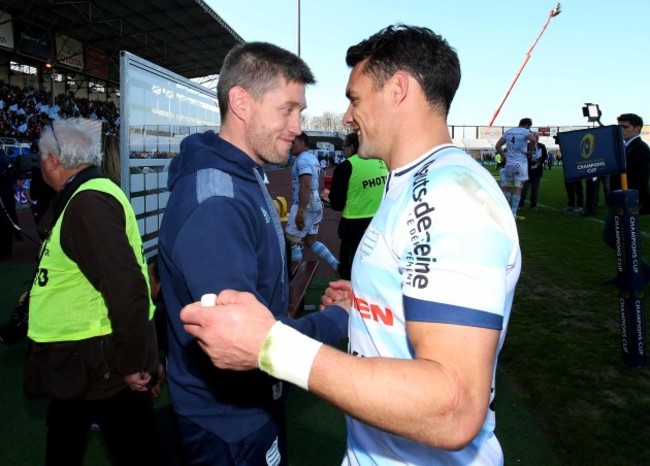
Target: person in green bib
357,189
93,348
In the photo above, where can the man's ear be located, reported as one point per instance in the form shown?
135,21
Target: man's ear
51,162
239,102
399,87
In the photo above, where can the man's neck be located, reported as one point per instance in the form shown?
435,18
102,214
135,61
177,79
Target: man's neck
67,175
234,137
417,146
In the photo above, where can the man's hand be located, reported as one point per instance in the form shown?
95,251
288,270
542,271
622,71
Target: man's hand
338,293
300,219
156,389
138,382
232,332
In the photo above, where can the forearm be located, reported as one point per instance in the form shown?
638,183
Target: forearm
131,332
499,146
417,399
439,398
329,326
305,193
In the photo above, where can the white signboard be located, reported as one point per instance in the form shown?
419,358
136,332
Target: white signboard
158,109
69,52
6,31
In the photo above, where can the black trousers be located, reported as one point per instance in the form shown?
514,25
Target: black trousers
592,192
531,183
265,446
574,193
126,422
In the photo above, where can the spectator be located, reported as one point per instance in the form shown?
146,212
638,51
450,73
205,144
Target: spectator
357,189
24,112
575,196
111,163
498,159
93,348
592,190
535,173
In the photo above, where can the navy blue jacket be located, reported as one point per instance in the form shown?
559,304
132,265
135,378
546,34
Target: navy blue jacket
218,233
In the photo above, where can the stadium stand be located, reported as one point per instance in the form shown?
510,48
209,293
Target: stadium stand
24,111
61,59
183,36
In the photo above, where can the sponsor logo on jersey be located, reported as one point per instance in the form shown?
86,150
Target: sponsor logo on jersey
420,221
372,311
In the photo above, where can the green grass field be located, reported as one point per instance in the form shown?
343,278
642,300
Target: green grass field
563,351
563,394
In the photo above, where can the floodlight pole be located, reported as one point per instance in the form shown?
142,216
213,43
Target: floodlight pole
298,27
552,14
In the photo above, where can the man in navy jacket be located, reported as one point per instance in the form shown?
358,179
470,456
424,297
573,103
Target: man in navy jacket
221,231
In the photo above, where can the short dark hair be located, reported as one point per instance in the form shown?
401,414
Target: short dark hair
525,122
353,140
632,118
255,66
420,52
304,138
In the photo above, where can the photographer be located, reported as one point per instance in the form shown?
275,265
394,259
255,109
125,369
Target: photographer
39,195
93,348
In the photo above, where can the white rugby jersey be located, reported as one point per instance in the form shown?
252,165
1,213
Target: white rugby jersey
306,164
443,247
517,144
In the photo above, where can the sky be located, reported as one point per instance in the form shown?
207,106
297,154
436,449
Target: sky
595,51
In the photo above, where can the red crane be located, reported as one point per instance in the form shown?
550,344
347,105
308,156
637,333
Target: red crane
553,13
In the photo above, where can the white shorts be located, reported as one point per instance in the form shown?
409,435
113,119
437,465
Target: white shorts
313,216
514,175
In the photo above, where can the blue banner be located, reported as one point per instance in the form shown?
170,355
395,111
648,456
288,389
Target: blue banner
33,40
631,279
588,153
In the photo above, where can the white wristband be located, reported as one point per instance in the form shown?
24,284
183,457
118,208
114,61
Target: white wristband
287,354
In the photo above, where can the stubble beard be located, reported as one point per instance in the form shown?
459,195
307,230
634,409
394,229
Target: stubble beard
272,157
264,146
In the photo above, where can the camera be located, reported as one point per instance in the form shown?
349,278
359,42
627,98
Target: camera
27,163
15,329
